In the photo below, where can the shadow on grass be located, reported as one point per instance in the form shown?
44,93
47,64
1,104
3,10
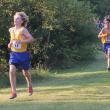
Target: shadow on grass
83,78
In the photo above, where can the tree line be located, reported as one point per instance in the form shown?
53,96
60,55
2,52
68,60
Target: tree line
64,31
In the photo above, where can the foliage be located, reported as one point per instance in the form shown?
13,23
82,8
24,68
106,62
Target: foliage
60,29
99,7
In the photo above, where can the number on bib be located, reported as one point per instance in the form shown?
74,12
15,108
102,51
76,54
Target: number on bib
16,45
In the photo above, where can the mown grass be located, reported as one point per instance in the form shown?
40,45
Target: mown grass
85,87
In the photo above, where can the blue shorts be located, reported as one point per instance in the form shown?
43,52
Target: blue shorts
106,46
20,59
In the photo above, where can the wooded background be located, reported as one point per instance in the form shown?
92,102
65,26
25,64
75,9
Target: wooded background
64,30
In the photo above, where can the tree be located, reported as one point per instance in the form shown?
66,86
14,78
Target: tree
60,29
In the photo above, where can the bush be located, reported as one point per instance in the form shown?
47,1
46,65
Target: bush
61,29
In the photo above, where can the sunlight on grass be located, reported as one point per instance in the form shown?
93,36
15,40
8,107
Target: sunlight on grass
69,93
81,90
68,75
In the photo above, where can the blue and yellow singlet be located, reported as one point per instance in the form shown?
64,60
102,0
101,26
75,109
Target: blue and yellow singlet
105,38
18,47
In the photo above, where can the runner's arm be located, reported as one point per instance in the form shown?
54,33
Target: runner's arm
28,37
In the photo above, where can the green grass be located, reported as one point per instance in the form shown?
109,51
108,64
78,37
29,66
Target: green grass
85,87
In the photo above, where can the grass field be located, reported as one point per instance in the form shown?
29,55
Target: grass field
85,87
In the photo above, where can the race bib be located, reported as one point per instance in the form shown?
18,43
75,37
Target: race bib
108,39
16,45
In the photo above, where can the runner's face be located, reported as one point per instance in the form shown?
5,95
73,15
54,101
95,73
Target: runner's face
17,20
107,24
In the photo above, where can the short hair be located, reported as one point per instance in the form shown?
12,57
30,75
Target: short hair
24,18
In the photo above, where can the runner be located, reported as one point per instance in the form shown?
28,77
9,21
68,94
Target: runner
104,36
19,57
